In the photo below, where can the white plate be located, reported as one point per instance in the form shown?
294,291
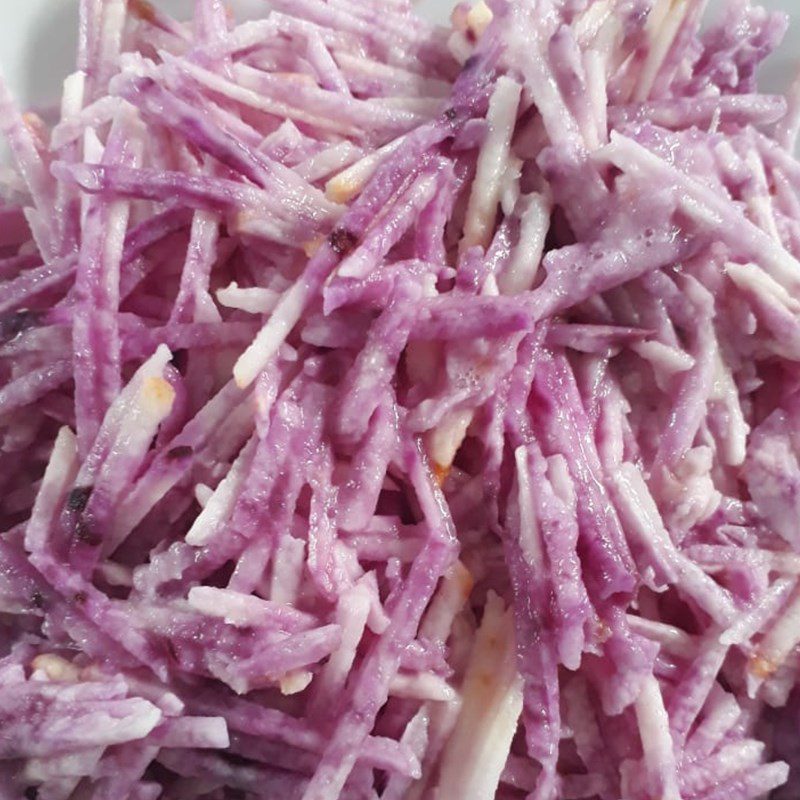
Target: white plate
38,41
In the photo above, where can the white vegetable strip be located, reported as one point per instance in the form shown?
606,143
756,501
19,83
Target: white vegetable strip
254,300
485,193
220,505
352,611
659,757
492,703
287,573
779,641
62,469
520,273
348,183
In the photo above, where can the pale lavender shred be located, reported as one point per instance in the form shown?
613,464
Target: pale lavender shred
392,411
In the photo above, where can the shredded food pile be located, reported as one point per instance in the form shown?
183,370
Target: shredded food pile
404,412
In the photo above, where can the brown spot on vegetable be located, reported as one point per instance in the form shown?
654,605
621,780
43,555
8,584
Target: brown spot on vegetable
84,534
342,241
440,473
80,597
37,599
78,498
762,667
464,578
142,10
450,114
602,631
34,123
179,452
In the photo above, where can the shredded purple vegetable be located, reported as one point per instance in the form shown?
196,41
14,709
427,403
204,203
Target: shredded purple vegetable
391,411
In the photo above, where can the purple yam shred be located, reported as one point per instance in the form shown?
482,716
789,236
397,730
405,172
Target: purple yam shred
398,411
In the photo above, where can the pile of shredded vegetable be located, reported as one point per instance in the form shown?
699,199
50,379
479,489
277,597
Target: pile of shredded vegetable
392,411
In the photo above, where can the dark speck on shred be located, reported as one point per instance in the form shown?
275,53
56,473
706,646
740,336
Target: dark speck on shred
78,498
342,241
85,535
180,452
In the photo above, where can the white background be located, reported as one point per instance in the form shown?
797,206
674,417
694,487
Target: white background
38,41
